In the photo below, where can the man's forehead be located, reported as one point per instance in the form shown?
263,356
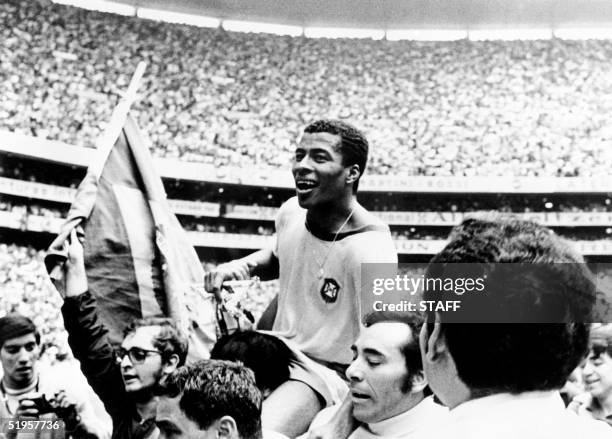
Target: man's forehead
142,337
385,337
318,140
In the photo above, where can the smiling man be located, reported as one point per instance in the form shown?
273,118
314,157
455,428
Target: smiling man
323,235
124,379
387,383
597,375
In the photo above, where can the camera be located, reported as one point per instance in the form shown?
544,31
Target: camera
67,414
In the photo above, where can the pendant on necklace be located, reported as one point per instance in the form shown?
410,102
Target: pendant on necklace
321,273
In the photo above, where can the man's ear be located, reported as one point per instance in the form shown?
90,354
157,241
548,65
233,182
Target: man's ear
434,344
170,364
353,174
227,428
418,381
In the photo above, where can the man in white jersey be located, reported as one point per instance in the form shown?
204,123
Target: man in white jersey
323,237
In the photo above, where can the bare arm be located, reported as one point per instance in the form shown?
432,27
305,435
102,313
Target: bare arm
76,277
262,263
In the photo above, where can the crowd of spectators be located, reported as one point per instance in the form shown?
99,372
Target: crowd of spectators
522,108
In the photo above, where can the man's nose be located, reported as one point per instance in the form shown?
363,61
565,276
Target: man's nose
126,362
303,164
353,372
23,356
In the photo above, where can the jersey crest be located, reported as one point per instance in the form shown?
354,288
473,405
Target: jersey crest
330,290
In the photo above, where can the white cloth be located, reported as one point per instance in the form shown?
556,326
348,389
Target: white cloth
529,415
269,434
321,315
415,423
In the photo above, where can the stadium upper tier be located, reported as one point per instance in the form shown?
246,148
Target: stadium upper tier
524,108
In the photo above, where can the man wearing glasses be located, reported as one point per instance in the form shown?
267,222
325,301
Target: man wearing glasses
123,379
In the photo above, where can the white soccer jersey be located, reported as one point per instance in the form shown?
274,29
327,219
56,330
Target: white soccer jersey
319,305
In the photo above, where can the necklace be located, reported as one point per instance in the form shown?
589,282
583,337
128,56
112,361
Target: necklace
321,266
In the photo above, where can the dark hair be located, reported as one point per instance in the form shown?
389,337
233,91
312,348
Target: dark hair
353,143
266,355
600,339
211,389
16,325
514,357
170,339
410,349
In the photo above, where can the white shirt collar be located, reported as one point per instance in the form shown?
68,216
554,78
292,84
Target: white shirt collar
425,413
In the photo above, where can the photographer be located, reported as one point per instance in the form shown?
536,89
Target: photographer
26,395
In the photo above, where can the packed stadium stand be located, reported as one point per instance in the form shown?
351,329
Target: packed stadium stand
455,128
521,108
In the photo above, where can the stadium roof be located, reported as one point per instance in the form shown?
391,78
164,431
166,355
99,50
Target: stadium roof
390,14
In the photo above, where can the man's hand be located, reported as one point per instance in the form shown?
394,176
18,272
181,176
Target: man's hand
26,409
76,278
235,270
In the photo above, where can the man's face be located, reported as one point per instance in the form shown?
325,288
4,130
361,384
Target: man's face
18,357
320,176
597,373
145,375
172,422
378,372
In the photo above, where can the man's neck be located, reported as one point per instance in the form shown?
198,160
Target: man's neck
606,405
330,218
11,385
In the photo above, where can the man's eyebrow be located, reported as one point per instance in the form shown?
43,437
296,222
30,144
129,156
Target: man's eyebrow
371,351
316,150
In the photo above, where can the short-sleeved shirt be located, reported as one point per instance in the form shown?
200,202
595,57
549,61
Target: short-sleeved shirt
319,305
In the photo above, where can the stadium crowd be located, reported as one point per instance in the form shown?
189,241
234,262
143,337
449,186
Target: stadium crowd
524,108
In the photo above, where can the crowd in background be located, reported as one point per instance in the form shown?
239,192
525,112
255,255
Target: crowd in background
522,108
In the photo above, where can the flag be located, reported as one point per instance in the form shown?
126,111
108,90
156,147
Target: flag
138,259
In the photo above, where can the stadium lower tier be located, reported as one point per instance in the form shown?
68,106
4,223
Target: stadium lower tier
15,222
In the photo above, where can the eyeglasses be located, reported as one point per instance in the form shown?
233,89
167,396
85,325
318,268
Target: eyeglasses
136,355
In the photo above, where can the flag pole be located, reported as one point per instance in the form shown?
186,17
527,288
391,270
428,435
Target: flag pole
105,142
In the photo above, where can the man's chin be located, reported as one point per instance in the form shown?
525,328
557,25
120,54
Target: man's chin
304,201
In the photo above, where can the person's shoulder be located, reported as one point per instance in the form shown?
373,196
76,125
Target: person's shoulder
288,209
373,243
584,426
269,434
366,219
